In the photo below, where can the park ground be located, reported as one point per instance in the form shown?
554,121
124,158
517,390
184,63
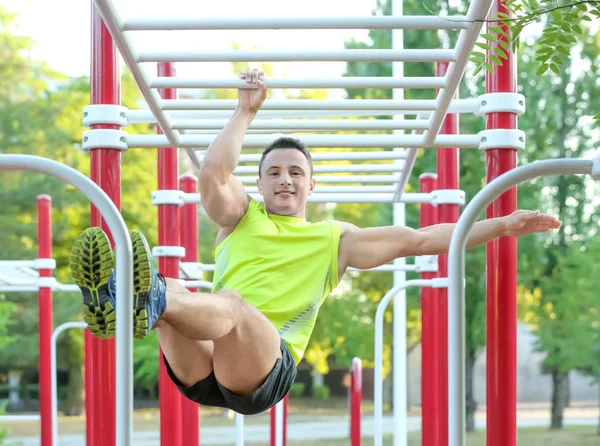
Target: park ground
580,427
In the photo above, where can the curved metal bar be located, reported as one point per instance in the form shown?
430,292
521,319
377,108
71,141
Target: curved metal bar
124,322
456,274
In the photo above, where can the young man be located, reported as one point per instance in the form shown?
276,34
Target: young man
239,346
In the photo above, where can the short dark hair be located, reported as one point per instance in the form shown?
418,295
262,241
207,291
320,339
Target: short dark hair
285,142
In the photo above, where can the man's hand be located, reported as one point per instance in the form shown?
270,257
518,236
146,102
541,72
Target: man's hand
253,98
521,223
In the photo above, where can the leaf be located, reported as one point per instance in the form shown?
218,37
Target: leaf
581,6
485,46
542,69
577,29
557,60
496,60
501,53
555,68
561,49
597,116
504,44
489,67
490,37
495,29
587,18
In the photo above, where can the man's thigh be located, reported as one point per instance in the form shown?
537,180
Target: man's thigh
244,358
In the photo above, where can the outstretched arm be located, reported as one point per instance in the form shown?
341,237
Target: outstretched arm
223,196
372,247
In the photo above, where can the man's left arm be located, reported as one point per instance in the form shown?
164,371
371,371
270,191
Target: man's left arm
372,247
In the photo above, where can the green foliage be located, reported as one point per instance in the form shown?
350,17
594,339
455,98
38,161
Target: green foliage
321,393
297,390
3,432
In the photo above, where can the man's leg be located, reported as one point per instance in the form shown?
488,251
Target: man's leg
246,344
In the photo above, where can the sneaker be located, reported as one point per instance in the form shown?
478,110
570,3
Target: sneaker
149,288
92,266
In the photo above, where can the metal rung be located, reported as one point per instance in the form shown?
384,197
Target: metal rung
308,125
280,23
420,55
464,105
329,156
354,198
343,82
342,179
315,141
146,116
333,168
342,189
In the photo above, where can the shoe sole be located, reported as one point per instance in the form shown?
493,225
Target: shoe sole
142,282
91,262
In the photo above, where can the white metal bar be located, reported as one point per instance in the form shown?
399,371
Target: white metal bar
279,419
145,116
114,24
351,198
334,156
378,367
321,141
456,275
287,23
20,418
342,189
409,165
420,55
478,11
124,268
369,179
343,82
383,268
465,105
19,264
53,368
239,430
308,124
332,168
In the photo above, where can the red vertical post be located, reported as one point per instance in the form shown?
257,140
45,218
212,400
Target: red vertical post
430,336
105,88
189,240
355,401
501,351
168,235
448,171
44,231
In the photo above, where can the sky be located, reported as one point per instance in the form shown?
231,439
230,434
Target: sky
61,29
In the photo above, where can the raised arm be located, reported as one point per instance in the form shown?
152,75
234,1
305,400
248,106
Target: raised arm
372,247
223,196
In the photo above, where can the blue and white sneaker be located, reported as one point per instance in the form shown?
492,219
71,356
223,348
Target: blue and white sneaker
149,288
92,266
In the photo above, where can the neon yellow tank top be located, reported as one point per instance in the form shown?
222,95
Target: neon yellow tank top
284,266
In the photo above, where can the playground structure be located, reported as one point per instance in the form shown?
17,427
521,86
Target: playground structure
435,126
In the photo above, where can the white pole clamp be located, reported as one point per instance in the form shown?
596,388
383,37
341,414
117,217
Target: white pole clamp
501,139
426,264
104,139
107,114
168,197
46,282
168,251
44,264
501,103
447,196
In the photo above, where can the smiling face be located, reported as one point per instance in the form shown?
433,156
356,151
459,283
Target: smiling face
286,182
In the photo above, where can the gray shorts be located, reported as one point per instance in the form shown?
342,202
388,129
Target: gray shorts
209,392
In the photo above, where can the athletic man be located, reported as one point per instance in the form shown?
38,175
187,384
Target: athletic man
239,346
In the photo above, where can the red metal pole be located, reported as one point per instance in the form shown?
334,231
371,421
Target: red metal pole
168,235
44,230
189,240
430,336
355,401
105,88
448,171
273,418
501,271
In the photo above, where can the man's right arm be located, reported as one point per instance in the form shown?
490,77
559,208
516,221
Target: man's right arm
223,195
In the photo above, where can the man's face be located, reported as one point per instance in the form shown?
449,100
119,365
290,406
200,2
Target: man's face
286,182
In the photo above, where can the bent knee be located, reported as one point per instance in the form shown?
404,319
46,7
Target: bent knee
238,307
